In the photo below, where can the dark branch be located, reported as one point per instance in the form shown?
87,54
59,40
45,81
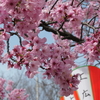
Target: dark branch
72,2
65,34
53,5
80,3
8,46
81,31
43,67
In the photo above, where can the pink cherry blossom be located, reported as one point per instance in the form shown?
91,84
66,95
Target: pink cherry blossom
7,91
9,86
17,94
75,26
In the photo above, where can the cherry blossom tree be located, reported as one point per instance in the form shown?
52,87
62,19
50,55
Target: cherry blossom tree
75,27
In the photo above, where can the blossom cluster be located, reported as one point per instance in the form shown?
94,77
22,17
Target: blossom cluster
71,15
14,14
7,91
90,48
58,66
23,18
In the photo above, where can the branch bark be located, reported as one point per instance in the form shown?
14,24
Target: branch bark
65,34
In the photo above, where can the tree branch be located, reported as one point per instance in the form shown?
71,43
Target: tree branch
80,3
8,46
72,2
65,34
84,23
53,5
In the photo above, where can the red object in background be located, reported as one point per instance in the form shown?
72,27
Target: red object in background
62,98
93,73
95,81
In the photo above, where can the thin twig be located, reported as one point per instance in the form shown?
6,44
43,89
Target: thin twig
53,6
84,23
50,22
58,34
8,46
92,18
16,33
1,30
80,3
81,31
43,67
72,2
9,51
61,26
20,40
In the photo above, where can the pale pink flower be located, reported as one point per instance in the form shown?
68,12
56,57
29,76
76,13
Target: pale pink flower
9,86
17,94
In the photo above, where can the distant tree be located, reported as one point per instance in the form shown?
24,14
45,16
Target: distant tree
35,87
